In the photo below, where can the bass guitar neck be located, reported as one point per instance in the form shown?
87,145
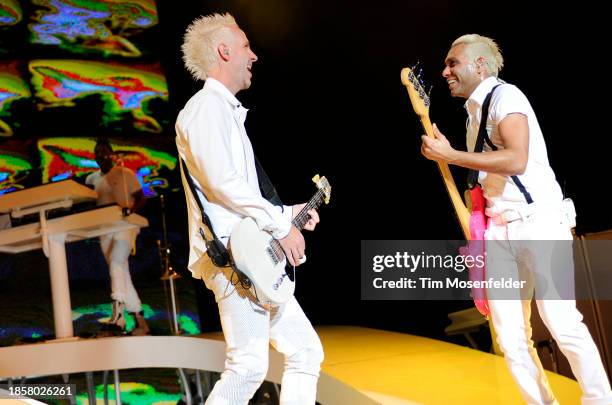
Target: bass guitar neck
420,103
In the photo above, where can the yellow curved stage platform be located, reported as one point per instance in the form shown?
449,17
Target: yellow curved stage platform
362,366
396,368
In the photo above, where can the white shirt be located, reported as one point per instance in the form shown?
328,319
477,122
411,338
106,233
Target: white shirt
211,138
539,179
116,186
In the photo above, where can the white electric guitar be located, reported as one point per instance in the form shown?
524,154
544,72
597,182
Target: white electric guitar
260,257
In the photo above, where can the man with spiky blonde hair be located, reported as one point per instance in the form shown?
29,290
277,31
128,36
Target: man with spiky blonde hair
200,40
477,46
212,141
507,157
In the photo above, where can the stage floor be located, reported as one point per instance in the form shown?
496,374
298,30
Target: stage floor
397,368
362,366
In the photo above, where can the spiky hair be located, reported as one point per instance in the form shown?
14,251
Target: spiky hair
480,46
201,41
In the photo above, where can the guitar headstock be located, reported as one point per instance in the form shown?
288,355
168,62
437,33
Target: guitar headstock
323,185
418,97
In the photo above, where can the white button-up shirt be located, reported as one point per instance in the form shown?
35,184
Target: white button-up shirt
539,179
211,138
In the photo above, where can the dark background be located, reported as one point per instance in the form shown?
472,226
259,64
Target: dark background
327,98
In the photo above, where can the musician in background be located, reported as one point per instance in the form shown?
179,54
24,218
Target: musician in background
524,205
118,184
212,140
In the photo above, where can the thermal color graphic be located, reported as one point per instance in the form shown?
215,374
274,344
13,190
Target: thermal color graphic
92,26
126,92
10,12
12,89
64,157
133,393
13,170
188,321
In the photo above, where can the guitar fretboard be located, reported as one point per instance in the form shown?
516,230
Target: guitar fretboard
302,217
299,221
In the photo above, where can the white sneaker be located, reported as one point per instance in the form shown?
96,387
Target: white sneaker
117,319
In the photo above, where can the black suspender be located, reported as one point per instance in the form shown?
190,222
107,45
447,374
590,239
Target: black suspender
484,137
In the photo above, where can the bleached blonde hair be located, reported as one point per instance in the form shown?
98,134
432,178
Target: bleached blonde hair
480,46
201,40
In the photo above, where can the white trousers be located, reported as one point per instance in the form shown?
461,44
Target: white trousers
512,253
249,328
116,248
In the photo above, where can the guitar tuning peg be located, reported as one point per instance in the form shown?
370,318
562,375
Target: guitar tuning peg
419,76
316,178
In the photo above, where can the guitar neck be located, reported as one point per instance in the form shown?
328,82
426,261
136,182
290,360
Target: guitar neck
302,217
463,215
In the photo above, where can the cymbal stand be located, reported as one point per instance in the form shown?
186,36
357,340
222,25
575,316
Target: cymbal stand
170,275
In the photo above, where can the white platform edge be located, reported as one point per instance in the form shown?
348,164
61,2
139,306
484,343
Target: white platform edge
129,352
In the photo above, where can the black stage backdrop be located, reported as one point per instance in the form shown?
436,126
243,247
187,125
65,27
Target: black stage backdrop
326,98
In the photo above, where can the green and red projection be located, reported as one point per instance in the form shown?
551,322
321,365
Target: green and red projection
64,158
124,90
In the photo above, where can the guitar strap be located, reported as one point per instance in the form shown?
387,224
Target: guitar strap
265,185
483,137
214,247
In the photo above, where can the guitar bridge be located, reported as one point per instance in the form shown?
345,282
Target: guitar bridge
275,251
273,256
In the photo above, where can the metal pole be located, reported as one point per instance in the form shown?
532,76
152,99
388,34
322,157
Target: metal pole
117,388
170,275
199,386
185,380
174,311
91,393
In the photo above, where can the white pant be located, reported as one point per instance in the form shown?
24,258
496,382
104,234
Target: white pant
249,328
116,248
510,252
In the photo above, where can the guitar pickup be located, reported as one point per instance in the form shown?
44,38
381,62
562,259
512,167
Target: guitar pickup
273,255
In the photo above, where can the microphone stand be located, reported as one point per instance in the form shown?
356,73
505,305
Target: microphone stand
169,273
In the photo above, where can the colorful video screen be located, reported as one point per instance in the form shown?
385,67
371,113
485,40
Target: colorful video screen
77,95
10,13
68,157
107,28
15,99
15,172
12,35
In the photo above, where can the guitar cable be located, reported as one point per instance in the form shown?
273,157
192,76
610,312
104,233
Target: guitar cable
243,280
